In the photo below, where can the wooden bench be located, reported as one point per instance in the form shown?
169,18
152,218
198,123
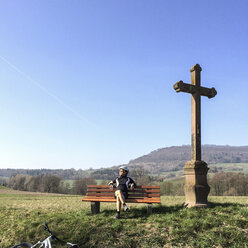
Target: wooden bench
140,194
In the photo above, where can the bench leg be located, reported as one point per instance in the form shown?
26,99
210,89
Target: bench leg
95,207
149,208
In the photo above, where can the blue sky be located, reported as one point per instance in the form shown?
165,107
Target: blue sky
90,83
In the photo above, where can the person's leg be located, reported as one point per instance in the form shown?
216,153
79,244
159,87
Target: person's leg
118,206
120,195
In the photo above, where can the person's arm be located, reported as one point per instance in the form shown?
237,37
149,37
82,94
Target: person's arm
132,184
111,183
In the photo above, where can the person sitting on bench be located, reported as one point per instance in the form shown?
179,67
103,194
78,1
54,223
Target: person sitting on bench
122,183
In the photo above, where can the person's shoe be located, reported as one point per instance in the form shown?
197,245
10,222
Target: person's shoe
118,216
125,207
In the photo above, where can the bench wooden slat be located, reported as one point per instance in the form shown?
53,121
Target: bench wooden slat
129,195
138,187
100,194
110,199
113,190
143,195
100,190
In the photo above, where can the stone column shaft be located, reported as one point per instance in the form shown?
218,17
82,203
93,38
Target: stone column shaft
196,116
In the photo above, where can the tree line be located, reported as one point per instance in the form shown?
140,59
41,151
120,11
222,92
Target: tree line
49,184
221,184
55,184
63,173
229,184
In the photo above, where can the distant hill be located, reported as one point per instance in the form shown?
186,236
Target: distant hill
173,158
161,160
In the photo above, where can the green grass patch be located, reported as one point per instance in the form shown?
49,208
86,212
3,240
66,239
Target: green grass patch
225,167
69,183
231,167
4,188
224,224
4,178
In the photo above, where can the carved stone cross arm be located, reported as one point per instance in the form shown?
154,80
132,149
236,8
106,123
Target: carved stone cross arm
190,88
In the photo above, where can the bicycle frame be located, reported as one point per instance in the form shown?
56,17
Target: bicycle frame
45,243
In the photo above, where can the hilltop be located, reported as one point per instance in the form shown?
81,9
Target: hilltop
169,159
173,158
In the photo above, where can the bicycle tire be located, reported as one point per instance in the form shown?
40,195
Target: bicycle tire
23,245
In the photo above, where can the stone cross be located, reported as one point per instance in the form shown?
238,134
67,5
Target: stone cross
196,187
196,91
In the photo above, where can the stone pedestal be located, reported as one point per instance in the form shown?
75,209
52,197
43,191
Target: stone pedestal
196,187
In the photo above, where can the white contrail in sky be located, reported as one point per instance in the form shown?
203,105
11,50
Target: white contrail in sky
57,99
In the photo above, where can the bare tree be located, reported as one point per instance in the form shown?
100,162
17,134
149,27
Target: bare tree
50,184
80,185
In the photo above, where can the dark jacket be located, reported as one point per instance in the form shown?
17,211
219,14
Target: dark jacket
123,183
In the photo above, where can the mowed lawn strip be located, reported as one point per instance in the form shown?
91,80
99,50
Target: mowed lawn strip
22,214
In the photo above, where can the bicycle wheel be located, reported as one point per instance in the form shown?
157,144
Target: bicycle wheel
24,245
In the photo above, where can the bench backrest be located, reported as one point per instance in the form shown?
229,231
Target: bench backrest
140,192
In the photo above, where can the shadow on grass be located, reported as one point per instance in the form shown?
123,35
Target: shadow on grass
142,212
163,209
225,205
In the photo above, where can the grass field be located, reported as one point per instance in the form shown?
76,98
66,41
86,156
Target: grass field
225,224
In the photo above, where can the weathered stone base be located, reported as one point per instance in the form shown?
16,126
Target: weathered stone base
196,187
